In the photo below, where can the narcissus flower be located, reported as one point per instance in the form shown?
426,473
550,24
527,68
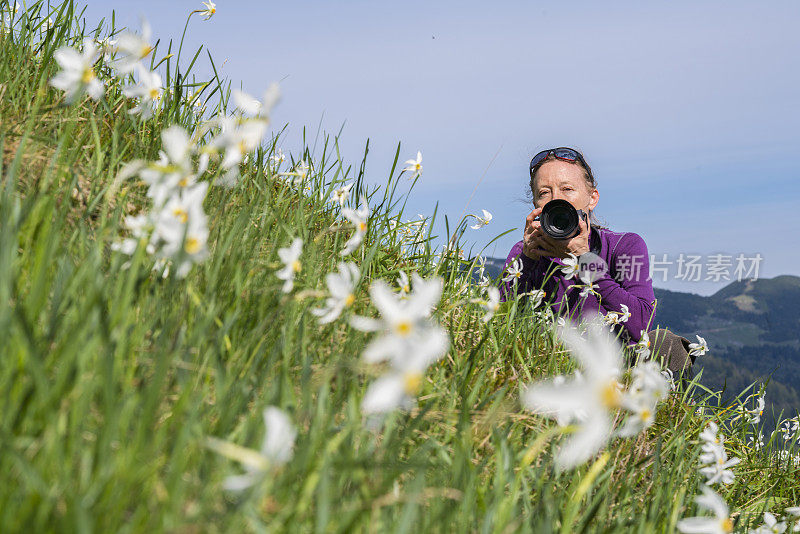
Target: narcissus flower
131,48
77,75
209,11
719,524
341,286
482,221
148,91
358,218
290,256
596,394
571,266
404,323
276,450
414,166
513,272
699,348
341,194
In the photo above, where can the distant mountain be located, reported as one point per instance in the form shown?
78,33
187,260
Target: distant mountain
752,328
753,331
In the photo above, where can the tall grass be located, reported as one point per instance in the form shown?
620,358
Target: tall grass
113,378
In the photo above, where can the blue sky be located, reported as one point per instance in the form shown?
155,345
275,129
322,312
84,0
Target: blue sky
686,111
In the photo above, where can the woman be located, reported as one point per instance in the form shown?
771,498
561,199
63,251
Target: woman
621,288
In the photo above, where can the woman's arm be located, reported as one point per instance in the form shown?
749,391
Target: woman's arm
632,286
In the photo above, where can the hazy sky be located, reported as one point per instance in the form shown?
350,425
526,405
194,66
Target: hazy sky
686,111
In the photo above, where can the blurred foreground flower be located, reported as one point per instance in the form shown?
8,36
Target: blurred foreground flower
595,395
341,286
131,48
770,525
279,438
77,75
410,341
148,91
719,524
359,220
490,304
290,256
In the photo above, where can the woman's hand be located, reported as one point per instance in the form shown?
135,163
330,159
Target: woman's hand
536,243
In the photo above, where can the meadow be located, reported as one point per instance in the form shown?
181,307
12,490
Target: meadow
205,329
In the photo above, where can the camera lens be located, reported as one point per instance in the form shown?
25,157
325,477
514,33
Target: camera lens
559,219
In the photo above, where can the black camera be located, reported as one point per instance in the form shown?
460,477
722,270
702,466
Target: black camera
559,219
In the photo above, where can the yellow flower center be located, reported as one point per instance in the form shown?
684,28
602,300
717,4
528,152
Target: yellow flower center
412,383
610,395
153,93
727,525
145,51
181,214
88,75
362,226
403,328
296,267
192,245
183,182
646,415
349,300
406,289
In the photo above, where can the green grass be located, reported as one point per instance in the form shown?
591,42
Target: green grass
112,378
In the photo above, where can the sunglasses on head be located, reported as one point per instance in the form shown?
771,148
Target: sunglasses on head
562,153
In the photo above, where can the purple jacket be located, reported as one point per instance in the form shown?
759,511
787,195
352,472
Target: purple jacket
627,281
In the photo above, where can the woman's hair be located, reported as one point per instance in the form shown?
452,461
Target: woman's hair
588,178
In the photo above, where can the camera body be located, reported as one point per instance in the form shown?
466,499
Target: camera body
560,219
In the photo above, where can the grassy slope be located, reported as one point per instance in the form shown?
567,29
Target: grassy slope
111,378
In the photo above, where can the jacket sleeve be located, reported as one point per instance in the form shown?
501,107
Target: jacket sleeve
630,285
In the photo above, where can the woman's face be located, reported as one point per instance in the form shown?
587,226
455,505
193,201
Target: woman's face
562,179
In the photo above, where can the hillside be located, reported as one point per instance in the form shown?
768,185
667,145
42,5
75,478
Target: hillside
753,330
207,329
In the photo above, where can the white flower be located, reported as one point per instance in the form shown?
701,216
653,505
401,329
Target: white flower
209,11
491,304
403,283
237,138
698,348
597,394
290,257
588,278
404,323
359,220
756,443
720,471
279,438
341,194
482,221
790,429
341,286
642,347
794,511
753,416
648,388
571,266
534,297
513,272
398,388
619,317
148,91
182,229
276,159
414,165
173,170
77,74
720,524
251,107
131,48
770,526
